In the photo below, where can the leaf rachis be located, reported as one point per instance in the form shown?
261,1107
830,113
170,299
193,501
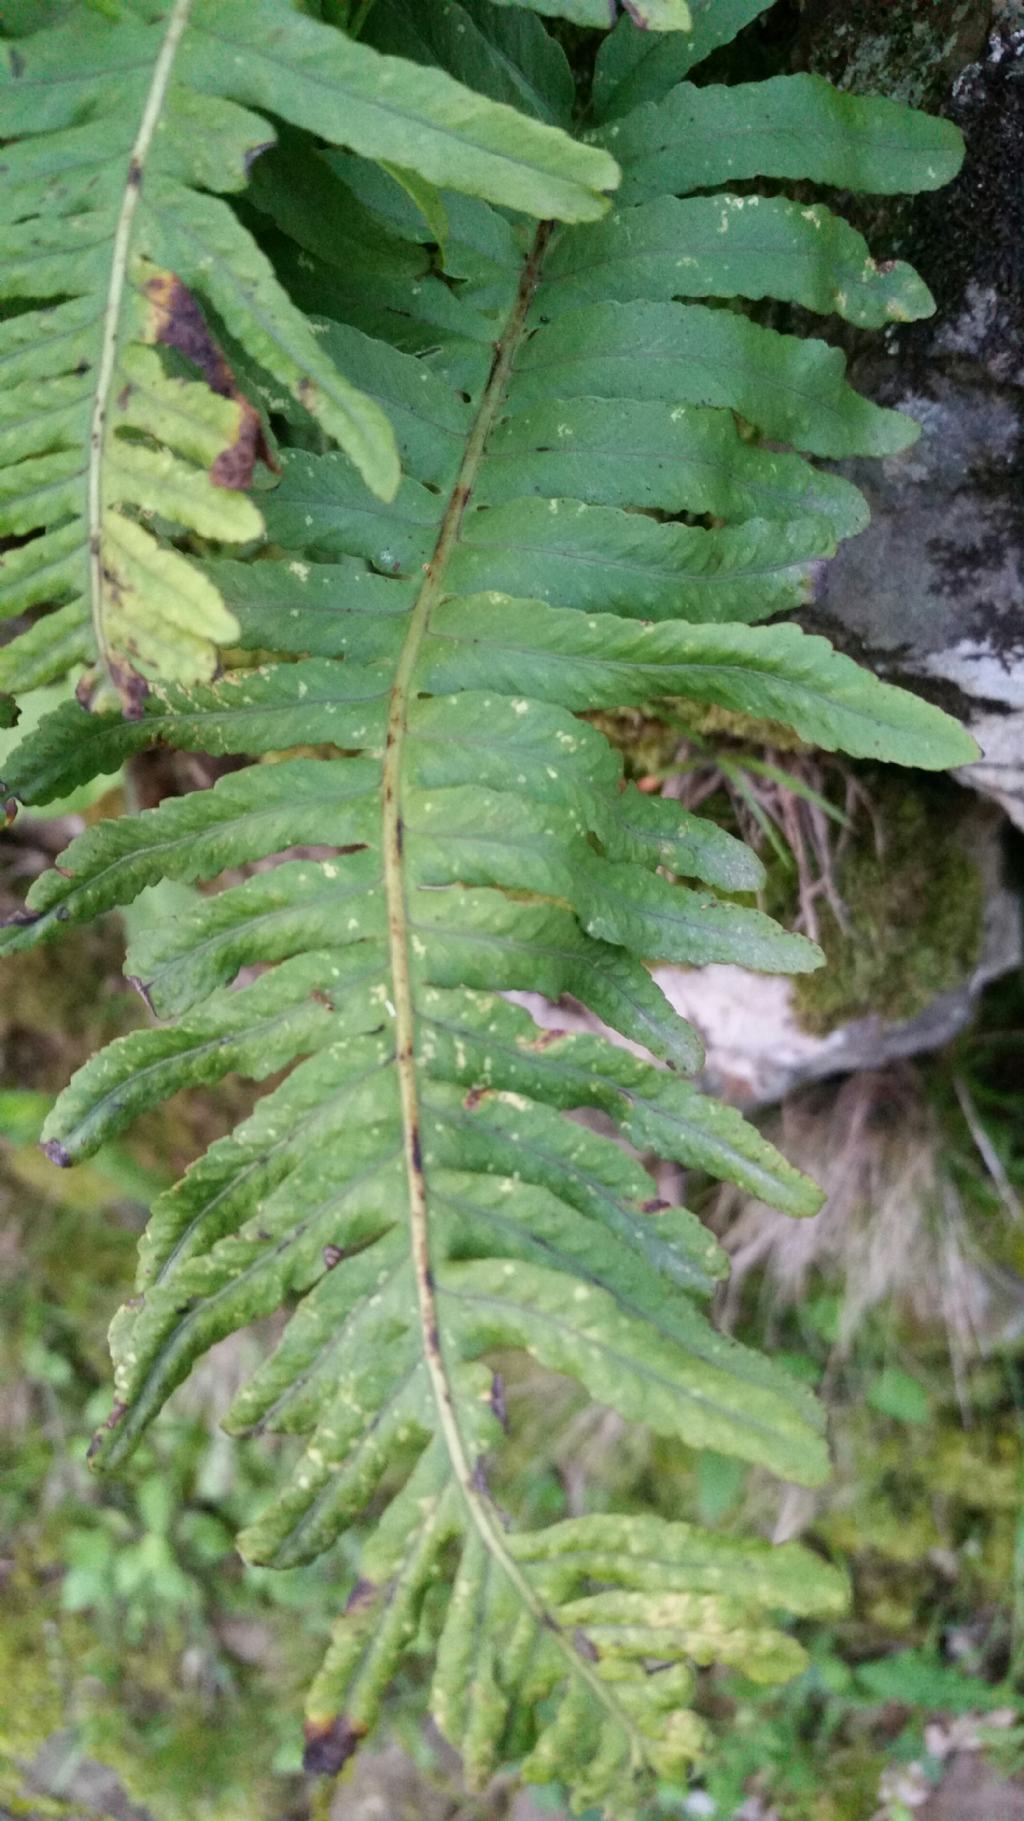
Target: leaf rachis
474,1490
120,255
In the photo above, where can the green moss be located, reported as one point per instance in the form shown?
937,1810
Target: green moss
914,899
204,1751
29,1665
854,1775
709,721
650,743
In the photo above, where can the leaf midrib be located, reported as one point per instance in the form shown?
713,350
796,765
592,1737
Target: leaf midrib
478,1507
112,320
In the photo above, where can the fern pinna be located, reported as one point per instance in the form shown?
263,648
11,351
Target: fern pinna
602,494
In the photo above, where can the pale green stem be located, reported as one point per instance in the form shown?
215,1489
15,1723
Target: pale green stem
480,1508
112,312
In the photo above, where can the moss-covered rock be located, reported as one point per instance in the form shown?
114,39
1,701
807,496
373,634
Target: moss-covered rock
650,743
914,898
893,47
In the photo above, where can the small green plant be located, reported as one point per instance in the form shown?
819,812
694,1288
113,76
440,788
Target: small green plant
508,476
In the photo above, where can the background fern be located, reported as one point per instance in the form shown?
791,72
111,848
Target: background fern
593,511
92,424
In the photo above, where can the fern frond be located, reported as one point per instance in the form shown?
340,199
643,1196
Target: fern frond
631,69
589,516
117,241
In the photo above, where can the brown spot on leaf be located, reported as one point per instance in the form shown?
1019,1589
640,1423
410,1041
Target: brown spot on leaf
114,583
55,1151
177,321
498,1404
544,1039
473,1098
117,1410
332,1255
363,1594
20,919
131,688
329,1745
234,465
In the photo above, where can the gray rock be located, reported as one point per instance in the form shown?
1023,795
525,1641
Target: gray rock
932,594
972,1791
758,1051
62,1770
892,47
386,1785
